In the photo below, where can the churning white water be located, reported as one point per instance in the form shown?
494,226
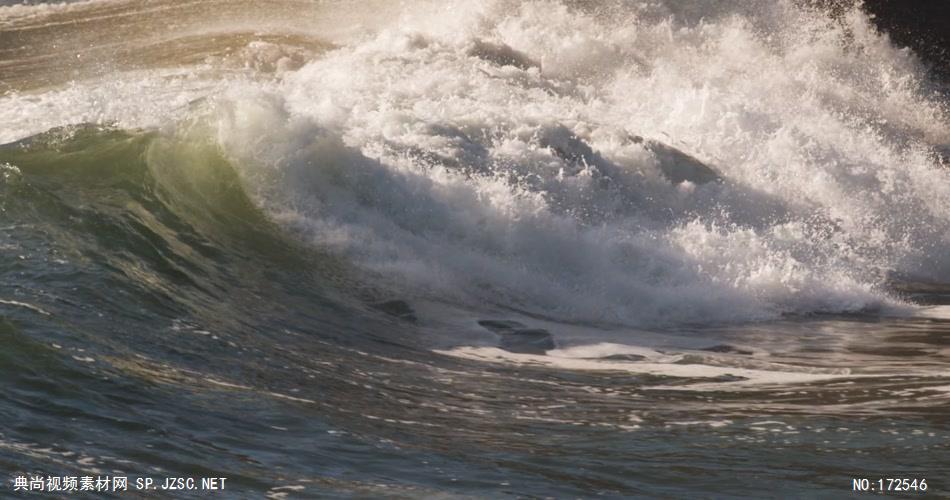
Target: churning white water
639,163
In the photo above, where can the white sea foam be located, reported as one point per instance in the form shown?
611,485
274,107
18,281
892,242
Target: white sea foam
720,377
417,152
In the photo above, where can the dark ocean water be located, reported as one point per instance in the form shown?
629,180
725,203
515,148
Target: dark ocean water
472,250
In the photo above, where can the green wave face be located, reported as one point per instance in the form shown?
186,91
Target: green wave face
144,230
109,172
143,291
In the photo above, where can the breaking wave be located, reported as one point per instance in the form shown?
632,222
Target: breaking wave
643,164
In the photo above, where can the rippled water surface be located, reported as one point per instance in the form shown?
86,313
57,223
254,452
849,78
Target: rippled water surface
472,249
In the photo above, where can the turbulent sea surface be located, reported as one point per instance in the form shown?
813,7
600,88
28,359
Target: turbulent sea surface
472,248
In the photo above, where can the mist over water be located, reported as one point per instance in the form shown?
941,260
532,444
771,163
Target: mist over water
703,204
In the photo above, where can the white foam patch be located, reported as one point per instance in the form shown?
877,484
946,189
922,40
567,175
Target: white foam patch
750,377
605,349
18,12
142,99
934,312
